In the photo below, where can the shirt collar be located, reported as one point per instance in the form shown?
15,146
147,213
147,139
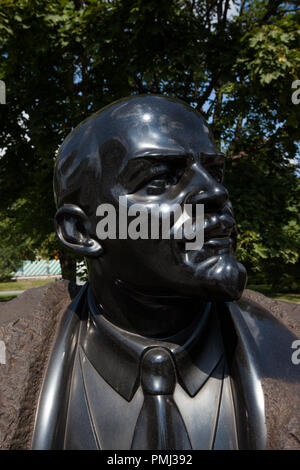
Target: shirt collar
116,353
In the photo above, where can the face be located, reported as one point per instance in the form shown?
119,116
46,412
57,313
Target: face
162,152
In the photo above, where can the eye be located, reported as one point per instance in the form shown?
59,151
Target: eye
161,178
160,184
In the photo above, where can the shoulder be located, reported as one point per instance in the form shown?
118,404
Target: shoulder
28,325
274,328
285,313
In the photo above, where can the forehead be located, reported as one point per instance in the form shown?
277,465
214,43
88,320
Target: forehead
102,146
135,128
163,128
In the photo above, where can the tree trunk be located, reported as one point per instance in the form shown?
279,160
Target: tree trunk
68,265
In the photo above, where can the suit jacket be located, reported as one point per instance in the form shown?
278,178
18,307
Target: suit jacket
266,379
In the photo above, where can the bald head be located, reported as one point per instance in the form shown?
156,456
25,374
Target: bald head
125,129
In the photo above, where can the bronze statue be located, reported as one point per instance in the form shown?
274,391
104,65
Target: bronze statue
155,352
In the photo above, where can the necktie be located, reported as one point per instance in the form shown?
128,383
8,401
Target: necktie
159,425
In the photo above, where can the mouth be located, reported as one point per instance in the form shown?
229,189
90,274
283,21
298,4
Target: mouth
217,241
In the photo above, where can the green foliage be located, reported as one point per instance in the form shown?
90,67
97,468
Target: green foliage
13,246
269,226
64,59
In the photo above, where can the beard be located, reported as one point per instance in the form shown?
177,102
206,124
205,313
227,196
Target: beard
221,278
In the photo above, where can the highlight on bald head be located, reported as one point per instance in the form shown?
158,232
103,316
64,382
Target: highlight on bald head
100,144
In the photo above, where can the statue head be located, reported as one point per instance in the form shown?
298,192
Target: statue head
148,150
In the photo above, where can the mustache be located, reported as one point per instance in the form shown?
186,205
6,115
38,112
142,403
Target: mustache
218,225
219,229
221,225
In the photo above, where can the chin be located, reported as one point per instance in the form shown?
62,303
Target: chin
218,278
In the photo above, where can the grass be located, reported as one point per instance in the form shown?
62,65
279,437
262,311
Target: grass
287,297
268,291
24,285
6,298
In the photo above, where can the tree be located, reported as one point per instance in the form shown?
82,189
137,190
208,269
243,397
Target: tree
14,247
234,61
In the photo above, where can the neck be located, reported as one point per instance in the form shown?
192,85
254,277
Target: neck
147,315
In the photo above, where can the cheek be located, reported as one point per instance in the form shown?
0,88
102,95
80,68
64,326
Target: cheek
129,255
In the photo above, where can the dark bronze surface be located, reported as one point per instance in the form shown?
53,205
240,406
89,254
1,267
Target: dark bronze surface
83,408
153,353
151,149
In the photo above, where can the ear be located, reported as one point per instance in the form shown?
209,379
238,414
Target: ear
73,230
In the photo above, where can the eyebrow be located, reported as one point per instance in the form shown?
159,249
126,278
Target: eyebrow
146,164
143,165
160,153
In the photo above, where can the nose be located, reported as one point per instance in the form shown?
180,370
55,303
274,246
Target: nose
212,194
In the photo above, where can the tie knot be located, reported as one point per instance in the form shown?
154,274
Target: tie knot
158,376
